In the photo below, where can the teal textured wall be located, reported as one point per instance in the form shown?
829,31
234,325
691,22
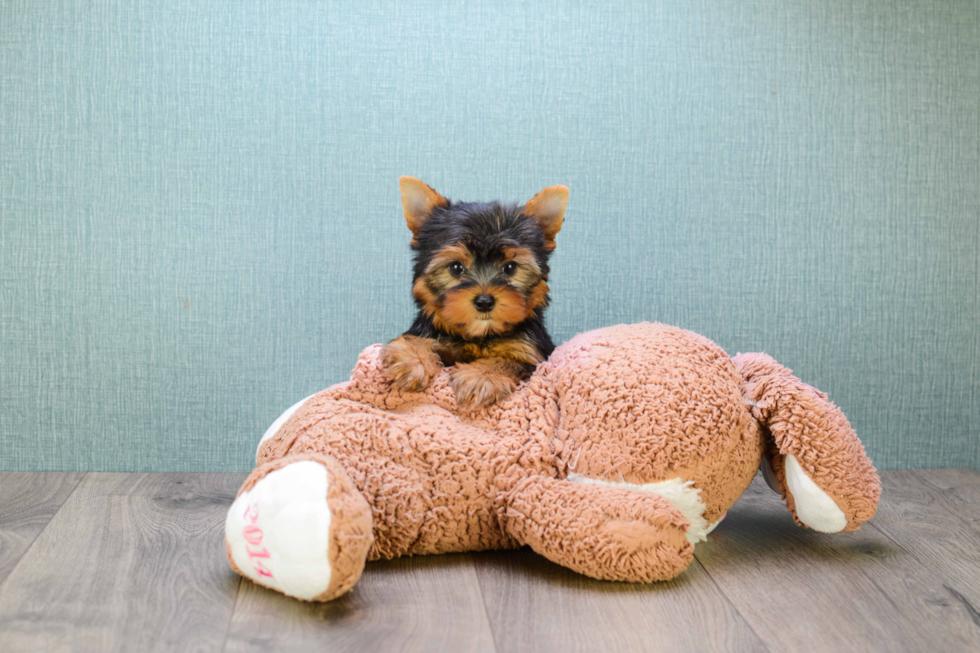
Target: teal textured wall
201,224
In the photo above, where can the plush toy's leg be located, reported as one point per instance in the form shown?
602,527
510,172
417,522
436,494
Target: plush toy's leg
814,458
300,526
605,532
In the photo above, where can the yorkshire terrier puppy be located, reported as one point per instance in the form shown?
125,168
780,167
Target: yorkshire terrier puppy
480,283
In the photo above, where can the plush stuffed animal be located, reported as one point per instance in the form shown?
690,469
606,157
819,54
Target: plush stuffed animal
621,452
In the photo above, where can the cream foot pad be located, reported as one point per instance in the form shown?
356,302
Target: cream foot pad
279,531
814,507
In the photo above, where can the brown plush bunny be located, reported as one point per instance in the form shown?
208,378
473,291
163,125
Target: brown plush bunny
621,452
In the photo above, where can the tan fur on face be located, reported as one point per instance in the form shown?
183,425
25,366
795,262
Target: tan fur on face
421,291
452,309
528,273
449,254
523,257
458,315
437,277
538,296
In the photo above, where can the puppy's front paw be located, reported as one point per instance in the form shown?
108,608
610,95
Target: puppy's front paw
410,362
481,383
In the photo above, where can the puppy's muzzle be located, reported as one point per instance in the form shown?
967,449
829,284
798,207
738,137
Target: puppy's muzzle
484,303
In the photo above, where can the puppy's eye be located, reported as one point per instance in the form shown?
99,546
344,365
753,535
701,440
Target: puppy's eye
456,268
510,268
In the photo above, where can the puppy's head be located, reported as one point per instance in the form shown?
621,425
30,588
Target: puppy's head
481,268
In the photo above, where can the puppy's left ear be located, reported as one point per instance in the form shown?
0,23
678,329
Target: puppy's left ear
548,210
419,200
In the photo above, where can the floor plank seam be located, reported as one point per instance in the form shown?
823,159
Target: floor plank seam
231,616
721,591
910,552
40,532
486,610
971,611
924,478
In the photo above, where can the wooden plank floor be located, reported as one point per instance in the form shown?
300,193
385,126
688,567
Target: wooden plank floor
135,562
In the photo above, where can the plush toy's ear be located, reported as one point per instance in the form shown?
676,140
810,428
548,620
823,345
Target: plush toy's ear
548,210
418,200
817,461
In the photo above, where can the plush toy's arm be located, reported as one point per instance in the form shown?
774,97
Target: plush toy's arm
604,532
819,465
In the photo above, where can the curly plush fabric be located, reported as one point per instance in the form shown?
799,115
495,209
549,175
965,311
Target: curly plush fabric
576,463
803,422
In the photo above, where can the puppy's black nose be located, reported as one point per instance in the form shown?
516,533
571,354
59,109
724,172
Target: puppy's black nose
484,303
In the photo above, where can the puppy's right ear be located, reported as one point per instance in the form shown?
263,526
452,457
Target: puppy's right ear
548,210
418,201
